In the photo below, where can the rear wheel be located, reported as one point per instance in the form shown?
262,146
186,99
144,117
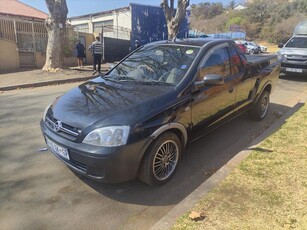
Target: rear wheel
161,159
260,109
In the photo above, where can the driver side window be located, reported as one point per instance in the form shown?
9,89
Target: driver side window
216,63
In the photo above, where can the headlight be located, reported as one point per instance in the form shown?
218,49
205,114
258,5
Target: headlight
279,56
108,136
45,111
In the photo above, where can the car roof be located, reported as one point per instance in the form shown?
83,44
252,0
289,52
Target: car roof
190,41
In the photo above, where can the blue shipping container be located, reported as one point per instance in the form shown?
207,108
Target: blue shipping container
149,24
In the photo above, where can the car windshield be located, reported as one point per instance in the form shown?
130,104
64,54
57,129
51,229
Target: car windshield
297,42
163,64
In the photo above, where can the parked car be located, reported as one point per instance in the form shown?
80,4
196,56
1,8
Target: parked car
136,120
242,48
293,54
252,48
263,49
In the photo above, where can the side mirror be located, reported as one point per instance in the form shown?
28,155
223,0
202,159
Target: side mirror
281,45
210,79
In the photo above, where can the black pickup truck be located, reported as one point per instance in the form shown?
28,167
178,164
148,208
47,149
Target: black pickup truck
135,121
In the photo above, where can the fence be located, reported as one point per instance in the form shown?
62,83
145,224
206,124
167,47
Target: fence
31,37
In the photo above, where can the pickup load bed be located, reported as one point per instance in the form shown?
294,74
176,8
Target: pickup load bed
259,59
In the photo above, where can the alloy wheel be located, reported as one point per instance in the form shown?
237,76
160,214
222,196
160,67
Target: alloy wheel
165,160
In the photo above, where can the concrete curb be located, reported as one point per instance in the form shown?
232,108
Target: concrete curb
46,83
169,220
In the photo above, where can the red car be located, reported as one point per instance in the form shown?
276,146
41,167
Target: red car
242,48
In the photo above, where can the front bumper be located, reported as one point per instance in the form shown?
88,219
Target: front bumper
293,67
293,70
105,164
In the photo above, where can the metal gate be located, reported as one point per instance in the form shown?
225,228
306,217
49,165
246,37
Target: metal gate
31,38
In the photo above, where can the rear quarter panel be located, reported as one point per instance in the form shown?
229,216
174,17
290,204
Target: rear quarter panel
268,77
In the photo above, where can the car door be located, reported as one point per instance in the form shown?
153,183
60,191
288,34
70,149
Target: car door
212,103
245,82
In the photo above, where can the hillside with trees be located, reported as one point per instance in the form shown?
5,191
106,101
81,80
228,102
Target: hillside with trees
271,20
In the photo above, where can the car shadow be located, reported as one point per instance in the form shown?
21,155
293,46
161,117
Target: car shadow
293,77
201,159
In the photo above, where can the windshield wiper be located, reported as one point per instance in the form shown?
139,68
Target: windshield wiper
124,78
155,82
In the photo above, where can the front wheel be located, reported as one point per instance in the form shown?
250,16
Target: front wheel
161,159
260,109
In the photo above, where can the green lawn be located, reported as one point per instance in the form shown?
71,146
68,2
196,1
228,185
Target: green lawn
268,190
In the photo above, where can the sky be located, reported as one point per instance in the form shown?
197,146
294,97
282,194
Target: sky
81,7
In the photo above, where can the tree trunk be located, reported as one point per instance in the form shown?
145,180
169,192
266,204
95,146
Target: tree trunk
173,19
55,25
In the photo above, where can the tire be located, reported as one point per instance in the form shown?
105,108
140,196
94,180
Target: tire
161,159
260,109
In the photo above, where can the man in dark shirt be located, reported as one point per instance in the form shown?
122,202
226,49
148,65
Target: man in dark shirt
96,49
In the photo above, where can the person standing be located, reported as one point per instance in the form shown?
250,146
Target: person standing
96,49
80,53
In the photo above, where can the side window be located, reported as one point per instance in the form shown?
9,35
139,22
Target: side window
235,61
216,63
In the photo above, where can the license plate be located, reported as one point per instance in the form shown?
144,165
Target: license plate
57,149
294,70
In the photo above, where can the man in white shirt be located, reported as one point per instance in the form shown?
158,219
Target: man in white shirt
96,49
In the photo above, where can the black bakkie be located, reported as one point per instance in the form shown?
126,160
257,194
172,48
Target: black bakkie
136,120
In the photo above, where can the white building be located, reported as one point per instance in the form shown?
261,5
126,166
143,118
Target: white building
114,23
239,7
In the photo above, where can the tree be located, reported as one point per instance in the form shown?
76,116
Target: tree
206,10
174,17
232,4
55,25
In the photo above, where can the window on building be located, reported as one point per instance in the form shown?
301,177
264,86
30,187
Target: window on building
107,26
82,28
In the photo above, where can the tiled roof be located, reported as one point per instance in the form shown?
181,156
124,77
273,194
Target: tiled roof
16,8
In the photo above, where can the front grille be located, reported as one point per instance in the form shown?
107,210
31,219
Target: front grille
61,128
293,66
296,58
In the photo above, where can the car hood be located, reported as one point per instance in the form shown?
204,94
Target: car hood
109,102
293,51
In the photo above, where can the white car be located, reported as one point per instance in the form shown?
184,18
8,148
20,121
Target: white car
263,49
252,48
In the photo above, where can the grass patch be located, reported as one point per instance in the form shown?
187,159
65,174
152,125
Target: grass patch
268,190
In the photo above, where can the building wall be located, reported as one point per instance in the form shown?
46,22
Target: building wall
89,38
70,61
120,28
40,59
9,59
